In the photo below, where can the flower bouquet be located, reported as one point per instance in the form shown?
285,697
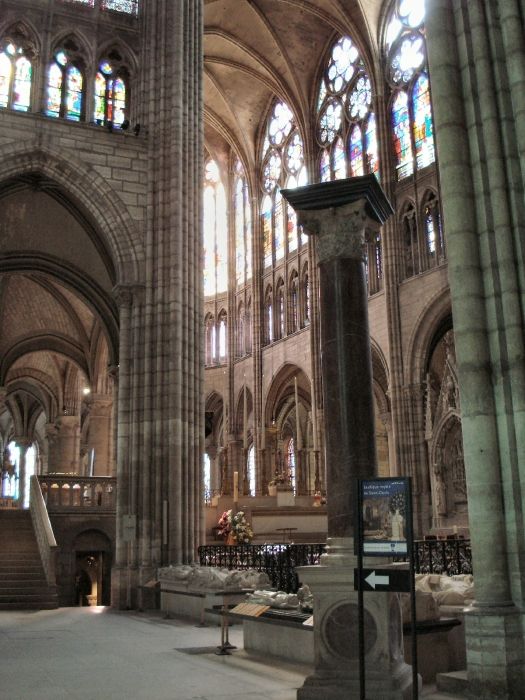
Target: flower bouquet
235,527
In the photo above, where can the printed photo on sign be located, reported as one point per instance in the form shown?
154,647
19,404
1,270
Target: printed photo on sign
384,503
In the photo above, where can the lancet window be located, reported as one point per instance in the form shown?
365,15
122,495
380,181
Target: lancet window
243,227
16,72
250,470
411,110
282,167
215,232
346,123
111,92
65,86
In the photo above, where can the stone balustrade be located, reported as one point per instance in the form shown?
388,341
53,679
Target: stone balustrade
73,493
47,545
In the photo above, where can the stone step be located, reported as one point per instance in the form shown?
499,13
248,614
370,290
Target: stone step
40,589
19,575
26,597
50,604
454,682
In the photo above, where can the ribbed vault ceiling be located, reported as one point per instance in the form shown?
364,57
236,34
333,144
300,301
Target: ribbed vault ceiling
255,50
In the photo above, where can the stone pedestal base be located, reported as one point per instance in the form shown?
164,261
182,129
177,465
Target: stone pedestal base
336,636
495,653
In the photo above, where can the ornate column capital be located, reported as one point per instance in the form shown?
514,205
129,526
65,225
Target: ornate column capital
341,232
341,214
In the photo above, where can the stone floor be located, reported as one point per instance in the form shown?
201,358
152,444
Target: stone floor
97,653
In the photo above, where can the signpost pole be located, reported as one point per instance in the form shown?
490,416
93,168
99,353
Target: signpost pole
410,533
360,601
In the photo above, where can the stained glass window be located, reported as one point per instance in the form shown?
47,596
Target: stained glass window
290,461
267,209
278,226
130,7
15,77
402,136
346,123
411,105
339,160
283,166
215,232
356,152
65,88
243,227
423,136
110,96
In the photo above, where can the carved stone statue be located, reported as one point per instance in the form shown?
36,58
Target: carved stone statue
440,493
397,524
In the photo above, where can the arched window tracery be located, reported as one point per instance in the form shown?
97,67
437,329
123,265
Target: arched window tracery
411,111
346,124
282,167
16,72
66,84
434,239
111,91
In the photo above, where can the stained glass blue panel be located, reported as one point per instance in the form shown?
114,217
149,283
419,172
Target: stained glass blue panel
401,135
423,131
130,7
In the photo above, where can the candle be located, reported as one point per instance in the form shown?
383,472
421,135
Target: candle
235,487
299,435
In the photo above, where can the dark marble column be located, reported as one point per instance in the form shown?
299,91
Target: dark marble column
341,215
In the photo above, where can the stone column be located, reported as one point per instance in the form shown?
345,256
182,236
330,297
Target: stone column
340,216
160,407
99,437
475,66
66,446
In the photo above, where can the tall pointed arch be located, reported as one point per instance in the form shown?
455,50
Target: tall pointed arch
283,166
410,105
346,123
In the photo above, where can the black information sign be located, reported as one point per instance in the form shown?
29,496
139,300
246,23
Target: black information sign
386,519
394,580
383,528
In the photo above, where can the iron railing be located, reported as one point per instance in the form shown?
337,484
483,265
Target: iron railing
279,561
448,557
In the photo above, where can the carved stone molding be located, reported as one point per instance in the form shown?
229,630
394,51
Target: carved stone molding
341,232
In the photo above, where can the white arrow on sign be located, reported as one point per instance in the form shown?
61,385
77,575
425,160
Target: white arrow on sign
374,580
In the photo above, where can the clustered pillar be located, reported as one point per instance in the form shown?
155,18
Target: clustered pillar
477,66
160,378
